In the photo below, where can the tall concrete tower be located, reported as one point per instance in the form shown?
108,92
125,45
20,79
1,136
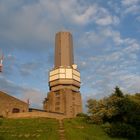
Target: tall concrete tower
64,79
63,49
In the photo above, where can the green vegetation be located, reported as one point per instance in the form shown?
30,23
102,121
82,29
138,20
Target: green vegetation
79,129
119,114
27,129
116,117
47,129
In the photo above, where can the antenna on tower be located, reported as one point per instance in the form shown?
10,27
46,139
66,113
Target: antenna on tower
1,62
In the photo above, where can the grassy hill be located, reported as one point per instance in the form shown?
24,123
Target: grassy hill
27,129
77,129
47,129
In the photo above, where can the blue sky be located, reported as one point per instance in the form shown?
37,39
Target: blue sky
106,38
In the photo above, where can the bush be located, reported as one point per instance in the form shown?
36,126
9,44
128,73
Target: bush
119,114
85,117
0,121
97,119
106,127
82,115
120,130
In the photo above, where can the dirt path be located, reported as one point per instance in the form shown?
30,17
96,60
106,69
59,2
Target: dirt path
61,130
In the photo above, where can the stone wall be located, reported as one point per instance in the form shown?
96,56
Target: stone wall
37,115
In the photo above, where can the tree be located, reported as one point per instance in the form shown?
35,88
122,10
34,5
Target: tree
118,92
119,110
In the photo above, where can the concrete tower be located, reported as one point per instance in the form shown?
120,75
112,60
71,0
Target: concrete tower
64,79
63,49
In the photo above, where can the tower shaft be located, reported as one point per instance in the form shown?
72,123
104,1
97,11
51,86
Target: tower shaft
63,49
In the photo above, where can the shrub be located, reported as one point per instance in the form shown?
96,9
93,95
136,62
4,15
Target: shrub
0,121
85,117
82,115
97,119
120,130
107,127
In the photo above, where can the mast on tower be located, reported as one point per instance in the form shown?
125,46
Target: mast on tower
1,62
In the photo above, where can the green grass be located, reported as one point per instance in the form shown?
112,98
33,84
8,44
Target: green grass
77,129
27,129
47,129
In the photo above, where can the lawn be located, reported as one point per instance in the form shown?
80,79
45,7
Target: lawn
47,129
27,129
77,129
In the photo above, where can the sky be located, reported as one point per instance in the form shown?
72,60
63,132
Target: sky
106,38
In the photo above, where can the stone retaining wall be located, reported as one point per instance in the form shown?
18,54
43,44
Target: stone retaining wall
36,115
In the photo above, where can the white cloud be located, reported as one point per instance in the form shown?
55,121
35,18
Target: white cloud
104,21
133,9
108,66
130,82
86,16
27,69
131,6
28,22
115,6
115,35
129,2
100,36
132,48
40,20
138,18
98,15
